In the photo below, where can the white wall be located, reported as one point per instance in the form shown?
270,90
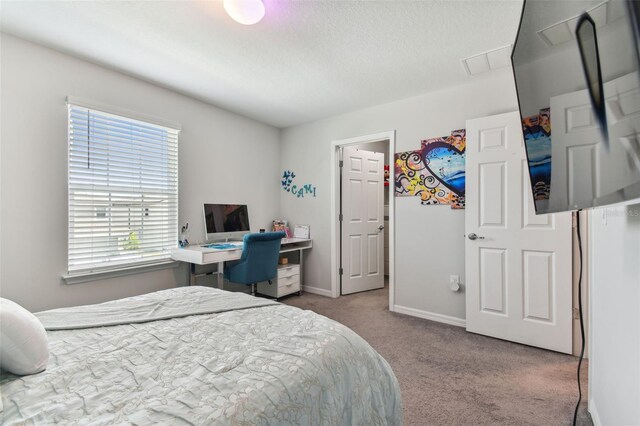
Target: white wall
614,364
223,157
429,239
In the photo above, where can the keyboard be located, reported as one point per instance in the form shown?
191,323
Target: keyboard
223,246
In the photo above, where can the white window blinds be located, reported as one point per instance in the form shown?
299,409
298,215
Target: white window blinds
123,191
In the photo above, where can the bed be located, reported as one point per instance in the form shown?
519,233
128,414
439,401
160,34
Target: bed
197,355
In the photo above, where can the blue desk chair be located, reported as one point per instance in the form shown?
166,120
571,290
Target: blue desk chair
259,261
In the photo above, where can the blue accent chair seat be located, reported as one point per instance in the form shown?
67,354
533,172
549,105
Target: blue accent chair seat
259,261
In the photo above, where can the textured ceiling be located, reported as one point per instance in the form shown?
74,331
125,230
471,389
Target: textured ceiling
304,61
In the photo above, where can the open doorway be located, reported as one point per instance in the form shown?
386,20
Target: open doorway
362,255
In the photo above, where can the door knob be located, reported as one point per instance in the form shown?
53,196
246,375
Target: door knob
475,237
380,228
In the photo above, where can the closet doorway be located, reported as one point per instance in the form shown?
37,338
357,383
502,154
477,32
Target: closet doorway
362,214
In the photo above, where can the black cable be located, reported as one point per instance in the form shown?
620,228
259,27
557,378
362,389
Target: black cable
575,413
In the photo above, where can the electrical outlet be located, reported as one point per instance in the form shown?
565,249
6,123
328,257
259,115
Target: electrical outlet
454,282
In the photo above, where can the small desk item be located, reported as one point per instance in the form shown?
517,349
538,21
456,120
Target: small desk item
183,242
203,255
301,231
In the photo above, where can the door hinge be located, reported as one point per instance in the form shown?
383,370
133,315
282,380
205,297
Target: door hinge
340,271
341,163
340,217
574,220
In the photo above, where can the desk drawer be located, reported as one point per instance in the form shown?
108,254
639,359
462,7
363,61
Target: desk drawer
280,287
287,281
222,256
287,271
288,285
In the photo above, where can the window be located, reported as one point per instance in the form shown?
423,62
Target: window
123,191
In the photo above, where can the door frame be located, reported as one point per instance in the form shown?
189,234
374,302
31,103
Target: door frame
335,203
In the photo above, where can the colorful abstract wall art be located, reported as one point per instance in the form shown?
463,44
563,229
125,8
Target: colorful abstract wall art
537,138
435,172
298,190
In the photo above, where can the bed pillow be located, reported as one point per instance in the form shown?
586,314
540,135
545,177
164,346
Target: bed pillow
24,348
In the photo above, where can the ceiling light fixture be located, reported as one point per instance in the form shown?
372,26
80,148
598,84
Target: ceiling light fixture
246,12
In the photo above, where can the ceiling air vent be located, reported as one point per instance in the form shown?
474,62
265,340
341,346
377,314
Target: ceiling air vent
487,61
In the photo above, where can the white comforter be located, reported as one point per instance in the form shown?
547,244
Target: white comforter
198,355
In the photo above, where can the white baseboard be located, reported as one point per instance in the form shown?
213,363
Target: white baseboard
594,413
316,290
446,319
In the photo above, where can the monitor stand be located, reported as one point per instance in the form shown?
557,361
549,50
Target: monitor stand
237,238
225,240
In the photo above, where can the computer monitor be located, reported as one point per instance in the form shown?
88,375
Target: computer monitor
225,221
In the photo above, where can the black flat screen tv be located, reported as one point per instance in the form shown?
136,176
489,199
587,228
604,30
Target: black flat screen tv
576,68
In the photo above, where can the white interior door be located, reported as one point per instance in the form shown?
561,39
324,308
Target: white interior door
518,266
362,220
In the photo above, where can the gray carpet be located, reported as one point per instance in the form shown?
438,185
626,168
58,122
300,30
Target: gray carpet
450,377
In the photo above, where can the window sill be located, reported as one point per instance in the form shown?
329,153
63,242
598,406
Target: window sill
84,277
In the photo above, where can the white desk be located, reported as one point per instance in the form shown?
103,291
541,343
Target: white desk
202,255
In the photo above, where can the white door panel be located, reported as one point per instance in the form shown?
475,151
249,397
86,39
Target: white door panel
519,283
493,205
363,220
492,283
